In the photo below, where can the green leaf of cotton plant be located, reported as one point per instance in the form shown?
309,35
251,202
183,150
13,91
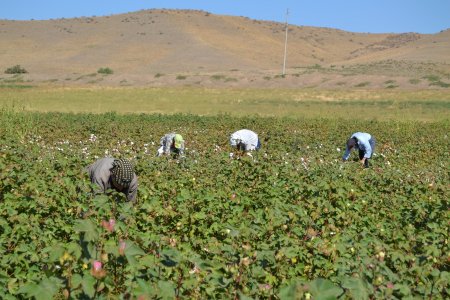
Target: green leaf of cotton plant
89,229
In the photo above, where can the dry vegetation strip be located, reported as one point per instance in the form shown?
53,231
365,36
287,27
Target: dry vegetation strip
426,105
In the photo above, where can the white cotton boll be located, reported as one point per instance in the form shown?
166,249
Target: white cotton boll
338,149
231,154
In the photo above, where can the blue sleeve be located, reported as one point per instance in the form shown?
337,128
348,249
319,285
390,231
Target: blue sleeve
367,149
346,154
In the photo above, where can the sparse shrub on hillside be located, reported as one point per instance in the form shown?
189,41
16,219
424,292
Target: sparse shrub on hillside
157,75
217,77
390,84
315,67
105,71
230,79
267,77
181,77
362,84
432,78
414,81
17,69
440,83
436,80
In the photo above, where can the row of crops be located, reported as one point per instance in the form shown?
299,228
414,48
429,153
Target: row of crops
294,222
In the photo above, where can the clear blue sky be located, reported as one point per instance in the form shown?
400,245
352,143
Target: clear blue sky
374,16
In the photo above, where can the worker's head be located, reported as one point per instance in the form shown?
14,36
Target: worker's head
235,140
178,141
351,143
122,174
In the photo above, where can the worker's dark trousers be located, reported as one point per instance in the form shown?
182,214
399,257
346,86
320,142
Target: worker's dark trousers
361,152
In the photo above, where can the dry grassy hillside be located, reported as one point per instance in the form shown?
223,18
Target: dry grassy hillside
173,47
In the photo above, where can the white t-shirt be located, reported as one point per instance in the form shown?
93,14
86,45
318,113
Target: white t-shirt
246,137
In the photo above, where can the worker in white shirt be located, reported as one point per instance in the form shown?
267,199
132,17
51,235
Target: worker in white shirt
245,140
365,143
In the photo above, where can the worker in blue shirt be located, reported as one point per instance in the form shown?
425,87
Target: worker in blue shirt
365,143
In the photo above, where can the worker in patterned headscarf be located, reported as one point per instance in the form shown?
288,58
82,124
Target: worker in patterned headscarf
109,173
171,143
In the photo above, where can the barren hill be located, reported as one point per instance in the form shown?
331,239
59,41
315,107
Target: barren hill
158,47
